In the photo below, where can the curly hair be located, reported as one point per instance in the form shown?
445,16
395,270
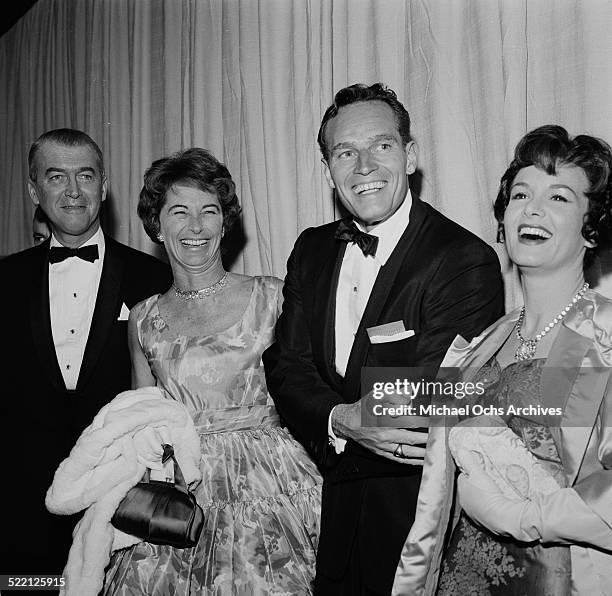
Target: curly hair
193,167
549,147
359,93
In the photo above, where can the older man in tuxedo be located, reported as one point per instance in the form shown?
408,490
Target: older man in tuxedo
65,304
395,269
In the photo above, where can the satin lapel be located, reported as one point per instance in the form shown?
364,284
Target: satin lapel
40,319
491,340
485,346
324,308
574,378
106,310
380,292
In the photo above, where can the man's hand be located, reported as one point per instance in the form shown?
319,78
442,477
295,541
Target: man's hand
346,423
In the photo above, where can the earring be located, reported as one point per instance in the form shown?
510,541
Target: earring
500,233
160,237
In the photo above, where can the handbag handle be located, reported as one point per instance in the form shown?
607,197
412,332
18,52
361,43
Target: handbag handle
179,479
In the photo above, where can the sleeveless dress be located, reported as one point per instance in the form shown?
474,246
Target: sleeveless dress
260,491
479,563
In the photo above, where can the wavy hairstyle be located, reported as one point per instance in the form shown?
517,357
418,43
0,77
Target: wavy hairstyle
359,93
192,167
549,147
68,137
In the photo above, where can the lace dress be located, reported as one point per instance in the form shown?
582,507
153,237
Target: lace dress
480,563
260,492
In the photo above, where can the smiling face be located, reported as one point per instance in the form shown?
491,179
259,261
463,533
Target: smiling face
70,188
544,217
191,222
368,163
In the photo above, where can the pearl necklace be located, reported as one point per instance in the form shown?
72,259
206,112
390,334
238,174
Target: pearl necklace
202,292
527,347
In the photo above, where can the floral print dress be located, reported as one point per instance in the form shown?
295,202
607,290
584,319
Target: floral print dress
260,492
480,563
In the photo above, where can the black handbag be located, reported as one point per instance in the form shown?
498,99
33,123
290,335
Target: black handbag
161,512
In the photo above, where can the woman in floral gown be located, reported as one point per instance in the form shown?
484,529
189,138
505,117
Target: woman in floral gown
201,343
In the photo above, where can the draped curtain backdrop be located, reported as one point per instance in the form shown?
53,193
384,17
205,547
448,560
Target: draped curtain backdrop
250,80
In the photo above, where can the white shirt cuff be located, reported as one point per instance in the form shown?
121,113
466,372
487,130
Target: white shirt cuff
336,442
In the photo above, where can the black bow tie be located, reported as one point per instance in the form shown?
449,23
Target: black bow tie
349,232
57,254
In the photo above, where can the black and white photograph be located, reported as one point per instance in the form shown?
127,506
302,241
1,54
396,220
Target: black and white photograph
306,297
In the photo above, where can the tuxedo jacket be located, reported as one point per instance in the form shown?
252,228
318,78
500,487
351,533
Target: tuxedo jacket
40,419
439,281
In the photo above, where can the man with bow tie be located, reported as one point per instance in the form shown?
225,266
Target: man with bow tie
65,351
389,286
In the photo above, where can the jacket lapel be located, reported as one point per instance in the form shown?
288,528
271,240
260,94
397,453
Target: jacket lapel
575,378
105,311
488,343
380,292
324,308
40,318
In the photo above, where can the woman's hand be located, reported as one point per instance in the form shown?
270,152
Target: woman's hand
485,503
561,517
148,442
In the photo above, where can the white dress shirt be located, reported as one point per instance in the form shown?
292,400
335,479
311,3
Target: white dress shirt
73,288
355,282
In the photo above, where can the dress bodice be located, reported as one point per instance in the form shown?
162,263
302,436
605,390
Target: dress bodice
220,377
519,385
481,563
260,492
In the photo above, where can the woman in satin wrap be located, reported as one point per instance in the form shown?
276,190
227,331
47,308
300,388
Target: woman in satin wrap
534,490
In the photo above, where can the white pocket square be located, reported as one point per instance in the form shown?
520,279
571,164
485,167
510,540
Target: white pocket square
384,339
124,314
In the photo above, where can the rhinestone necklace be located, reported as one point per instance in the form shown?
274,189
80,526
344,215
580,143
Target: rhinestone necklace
202,292
527,347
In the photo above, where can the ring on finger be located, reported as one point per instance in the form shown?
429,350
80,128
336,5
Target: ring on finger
399,451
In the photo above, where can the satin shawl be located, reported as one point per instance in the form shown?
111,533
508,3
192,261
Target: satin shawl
577,376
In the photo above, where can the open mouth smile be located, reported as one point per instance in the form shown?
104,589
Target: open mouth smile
368,188
533,233
194,242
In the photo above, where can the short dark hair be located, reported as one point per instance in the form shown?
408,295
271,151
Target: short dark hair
549,147
359,93
40,215
69,137
193,167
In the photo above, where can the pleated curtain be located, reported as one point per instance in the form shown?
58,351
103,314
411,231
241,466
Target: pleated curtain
250,80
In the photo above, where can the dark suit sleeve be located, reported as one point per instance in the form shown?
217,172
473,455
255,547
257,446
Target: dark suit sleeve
145,275
458,290
465,295
303,398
